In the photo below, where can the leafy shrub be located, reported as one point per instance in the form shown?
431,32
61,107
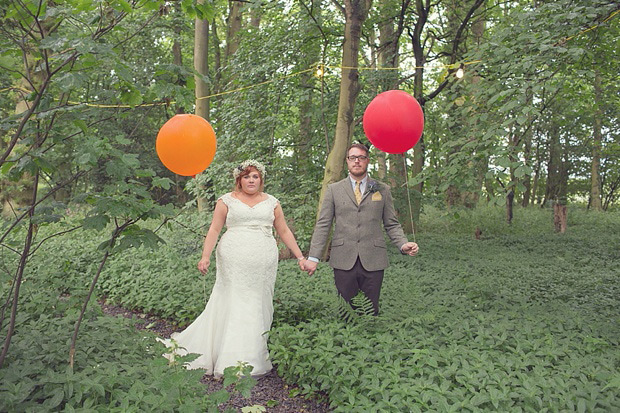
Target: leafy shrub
117,368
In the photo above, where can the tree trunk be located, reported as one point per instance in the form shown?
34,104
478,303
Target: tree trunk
256,16
554,165
388,56
20,271
177,56
381,166
388,52
355,12
177,59
453,11
559,218
234,26
217,59
597,139
527,152
201,65
510,205
307,82
418,93
15,196
423,10
513,140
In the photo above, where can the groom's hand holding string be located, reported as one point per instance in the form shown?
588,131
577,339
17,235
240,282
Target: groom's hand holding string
410,248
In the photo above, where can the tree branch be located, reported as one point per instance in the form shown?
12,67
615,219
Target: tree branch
339,6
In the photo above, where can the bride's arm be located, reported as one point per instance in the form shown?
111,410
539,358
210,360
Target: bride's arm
217,223
279,223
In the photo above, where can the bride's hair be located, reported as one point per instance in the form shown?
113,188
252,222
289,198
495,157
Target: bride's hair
246,171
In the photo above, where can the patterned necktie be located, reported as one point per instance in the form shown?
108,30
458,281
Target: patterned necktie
358,193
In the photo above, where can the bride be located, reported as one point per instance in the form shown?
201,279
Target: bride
233,326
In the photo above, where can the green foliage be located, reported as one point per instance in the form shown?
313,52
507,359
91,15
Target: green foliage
523,319
534,79
117,367
360,306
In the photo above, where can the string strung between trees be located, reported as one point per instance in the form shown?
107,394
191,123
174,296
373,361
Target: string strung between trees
318,69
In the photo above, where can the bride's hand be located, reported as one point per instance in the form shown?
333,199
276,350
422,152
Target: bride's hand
203,265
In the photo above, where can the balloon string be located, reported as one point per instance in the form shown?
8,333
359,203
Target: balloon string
408,195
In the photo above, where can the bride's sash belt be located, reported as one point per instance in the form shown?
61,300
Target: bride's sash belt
265,229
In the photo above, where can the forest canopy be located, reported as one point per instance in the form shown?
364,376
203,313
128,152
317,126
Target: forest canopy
86,85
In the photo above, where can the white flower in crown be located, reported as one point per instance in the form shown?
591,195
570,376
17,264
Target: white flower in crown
250,162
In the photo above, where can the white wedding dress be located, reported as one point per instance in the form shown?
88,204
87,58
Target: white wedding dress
233,326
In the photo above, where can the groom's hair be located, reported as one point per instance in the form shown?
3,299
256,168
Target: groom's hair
358,146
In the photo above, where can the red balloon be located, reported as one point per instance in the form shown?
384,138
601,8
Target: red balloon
393,121
186,144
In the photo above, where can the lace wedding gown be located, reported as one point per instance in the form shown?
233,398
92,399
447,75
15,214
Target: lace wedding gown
239,313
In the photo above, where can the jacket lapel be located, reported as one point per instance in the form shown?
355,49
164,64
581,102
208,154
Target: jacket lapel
348,188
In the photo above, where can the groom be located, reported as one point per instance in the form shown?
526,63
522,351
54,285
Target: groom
360,206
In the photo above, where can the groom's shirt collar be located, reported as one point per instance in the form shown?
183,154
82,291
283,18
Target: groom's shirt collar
362,183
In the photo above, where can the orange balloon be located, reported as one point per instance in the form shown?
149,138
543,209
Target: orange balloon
186,144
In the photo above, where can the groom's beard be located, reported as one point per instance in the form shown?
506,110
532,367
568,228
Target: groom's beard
358,173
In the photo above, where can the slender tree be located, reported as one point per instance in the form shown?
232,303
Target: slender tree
201,65
597,138
355,12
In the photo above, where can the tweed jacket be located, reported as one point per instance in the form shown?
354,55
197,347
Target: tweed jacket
357,231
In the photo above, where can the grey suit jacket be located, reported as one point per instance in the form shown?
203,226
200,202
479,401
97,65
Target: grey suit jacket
358,227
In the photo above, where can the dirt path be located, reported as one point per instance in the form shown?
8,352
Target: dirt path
270,391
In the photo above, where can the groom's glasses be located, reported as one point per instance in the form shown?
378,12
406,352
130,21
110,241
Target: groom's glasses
353,158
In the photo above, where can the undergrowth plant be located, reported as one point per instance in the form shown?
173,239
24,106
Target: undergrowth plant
522,319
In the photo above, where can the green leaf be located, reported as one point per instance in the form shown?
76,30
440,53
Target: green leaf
96,222
219,397
164,183
131,96
124,6
581,406
81,124
614,382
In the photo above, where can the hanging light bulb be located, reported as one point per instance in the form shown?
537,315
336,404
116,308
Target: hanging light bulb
460,73
319,71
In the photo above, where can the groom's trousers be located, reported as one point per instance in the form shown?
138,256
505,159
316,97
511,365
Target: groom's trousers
350,282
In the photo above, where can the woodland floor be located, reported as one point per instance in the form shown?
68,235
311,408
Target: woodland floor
270,390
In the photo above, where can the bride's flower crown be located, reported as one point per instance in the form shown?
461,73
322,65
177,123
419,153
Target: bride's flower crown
250,162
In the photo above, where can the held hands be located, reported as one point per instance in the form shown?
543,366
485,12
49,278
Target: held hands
309,266
306,265
203,265
410,248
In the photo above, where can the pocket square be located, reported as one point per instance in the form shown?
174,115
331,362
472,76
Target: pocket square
376,196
